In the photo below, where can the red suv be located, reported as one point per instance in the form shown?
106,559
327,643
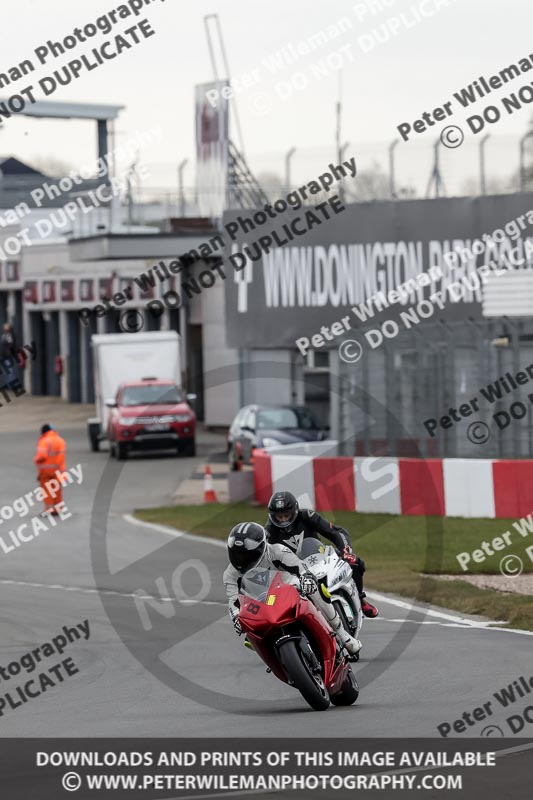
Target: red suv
151,414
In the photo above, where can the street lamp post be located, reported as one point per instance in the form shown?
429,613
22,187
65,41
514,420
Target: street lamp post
392,179
482,183
523,158
342,150
436,176
288,157
181,194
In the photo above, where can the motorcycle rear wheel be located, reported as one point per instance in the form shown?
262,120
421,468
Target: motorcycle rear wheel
310,686
349,692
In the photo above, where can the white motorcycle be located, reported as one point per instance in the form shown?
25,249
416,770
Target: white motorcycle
326,565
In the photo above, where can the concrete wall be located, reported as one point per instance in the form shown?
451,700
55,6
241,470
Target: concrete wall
221,363
450,487
268,377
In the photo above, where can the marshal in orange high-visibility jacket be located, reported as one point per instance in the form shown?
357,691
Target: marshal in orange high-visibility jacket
50,460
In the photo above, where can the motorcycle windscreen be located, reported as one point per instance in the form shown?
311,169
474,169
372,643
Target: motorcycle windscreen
311,547
259,584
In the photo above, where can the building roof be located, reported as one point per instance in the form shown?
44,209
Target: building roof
116,246
12,166
45,109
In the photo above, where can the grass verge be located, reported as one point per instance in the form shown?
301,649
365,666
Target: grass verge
398,550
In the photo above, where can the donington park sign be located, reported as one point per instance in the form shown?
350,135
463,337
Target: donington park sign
351,262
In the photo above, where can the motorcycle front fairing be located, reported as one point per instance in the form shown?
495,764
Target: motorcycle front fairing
324,562
272,610
326,565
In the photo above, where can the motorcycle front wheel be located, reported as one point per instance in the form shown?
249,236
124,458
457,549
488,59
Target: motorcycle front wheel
309,684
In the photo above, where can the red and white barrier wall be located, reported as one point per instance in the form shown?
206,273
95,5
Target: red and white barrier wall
449,487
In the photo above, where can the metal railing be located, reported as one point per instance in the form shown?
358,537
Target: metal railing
442,372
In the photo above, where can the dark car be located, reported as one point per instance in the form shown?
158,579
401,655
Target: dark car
270,426
151,414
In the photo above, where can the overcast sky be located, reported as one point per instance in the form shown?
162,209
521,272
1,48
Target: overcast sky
394,82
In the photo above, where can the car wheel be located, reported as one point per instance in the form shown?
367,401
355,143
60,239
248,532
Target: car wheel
121,451
189,448
233,463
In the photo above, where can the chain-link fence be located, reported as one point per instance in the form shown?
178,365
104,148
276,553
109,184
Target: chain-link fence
385,170
443,390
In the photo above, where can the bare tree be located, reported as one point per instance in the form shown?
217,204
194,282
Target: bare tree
373,183
470,186
528,162
271,184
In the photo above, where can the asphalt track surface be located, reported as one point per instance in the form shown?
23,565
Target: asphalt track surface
417,670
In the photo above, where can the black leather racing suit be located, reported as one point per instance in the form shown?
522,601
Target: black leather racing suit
310,524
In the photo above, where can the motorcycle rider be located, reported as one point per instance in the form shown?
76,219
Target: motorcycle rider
288,524
248,548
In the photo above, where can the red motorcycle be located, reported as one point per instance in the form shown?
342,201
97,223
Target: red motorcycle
294,640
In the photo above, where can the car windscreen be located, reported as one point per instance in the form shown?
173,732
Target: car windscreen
285,419
151,395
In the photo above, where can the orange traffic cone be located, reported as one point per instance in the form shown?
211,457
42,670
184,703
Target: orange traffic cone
209,492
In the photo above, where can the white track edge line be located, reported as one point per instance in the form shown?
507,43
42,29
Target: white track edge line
175,532
489,625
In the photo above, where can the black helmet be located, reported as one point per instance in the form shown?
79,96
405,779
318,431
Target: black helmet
246,545
282,509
